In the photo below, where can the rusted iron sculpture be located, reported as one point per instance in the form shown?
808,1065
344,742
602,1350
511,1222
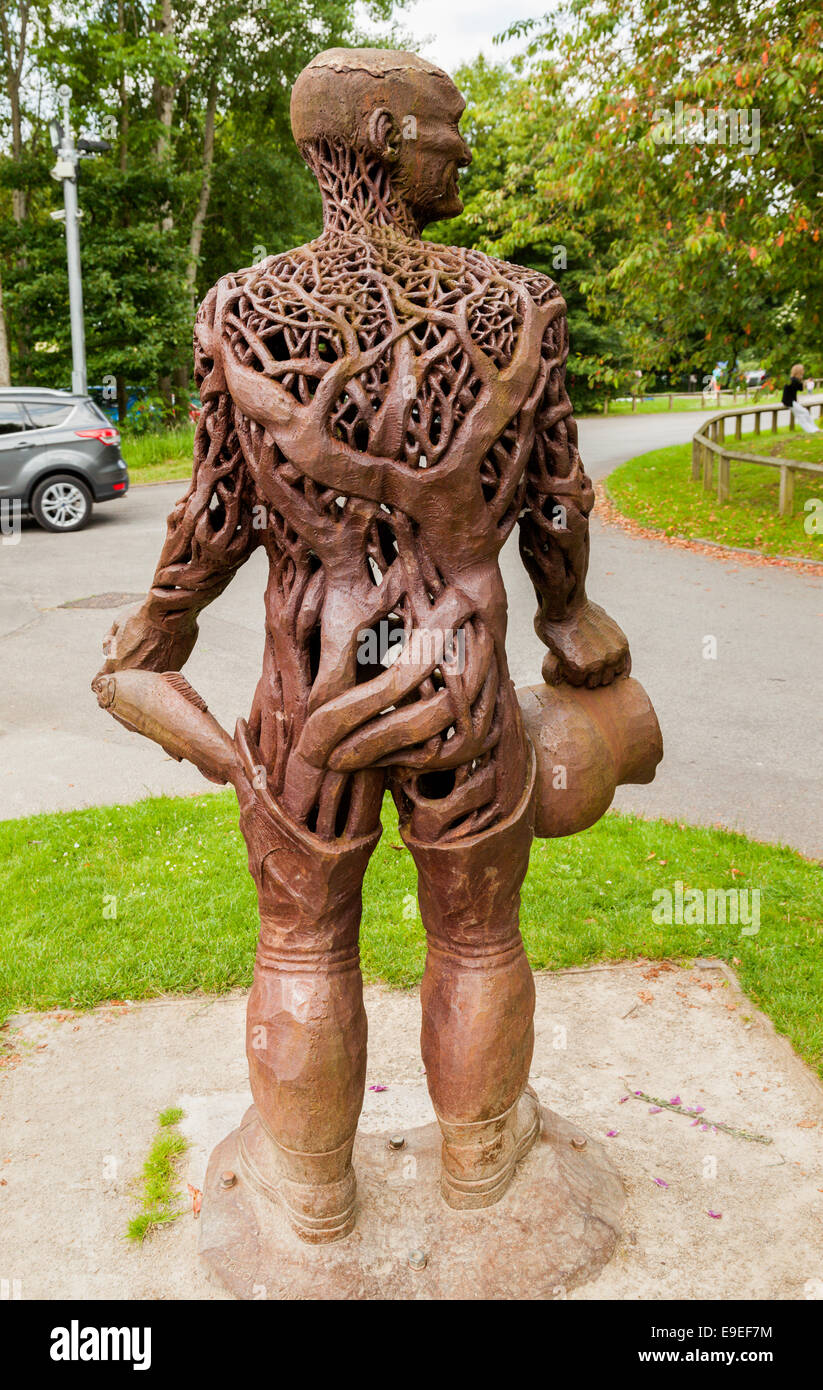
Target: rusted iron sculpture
379,412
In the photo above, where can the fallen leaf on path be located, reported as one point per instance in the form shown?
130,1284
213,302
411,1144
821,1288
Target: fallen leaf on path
196,1199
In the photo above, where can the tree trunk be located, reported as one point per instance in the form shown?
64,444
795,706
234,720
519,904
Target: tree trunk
5,371
14,64
164,92
199,219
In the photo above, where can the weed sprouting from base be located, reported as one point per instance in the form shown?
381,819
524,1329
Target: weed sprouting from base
158,1200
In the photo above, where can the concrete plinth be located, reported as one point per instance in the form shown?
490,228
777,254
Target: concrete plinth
557,1226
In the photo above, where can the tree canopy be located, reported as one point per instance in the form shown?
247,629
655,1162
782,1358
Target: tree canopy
662,160
676,150
202,174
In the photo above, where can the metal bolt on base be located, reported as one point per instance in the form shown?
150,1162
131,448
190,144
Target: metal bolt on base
418,1259
397,1141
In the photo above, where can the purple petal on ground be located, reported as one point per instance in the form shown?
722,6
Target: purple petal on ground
654,1109
378,1088
693,1123
638,1093
698,1109
675,1100
623,1099
660,1182
716,1215
612,1133
704,1128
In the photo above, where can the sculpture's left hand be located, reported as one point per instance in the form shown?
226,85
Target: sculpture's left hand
587,648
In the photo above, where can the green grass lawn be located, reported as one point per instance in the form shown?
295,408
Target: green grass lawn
694,403
788,444
158,458
656,490
174,872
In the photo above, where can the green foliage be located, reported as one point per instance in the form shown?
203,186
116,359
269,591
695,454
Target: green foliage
677,254
671,254
203,175
160,457
716,243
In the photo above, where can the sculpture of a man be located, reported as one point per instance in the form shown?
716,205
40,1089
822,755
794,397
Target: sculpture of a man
378,414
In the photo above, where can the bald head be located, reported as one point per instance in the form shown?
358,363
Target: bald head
336,96
391,107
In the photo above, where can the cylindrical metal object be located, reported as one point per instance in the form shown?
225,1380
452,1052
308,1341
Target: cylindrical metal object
588,742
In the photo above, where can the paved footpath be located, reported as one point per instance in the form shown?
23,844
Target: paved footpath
743,733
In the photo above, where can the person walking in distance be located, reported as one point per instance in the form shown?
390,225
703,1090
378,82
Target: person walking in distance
791,391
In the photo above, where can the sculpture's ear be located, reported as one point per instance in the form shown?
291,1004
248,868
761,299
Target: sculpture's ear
384,135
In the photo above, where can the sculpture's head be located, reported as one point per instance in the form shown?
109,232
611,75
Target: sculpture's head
387,110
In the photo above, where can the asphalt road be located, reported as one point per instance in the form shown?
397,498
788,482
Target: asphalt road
743,732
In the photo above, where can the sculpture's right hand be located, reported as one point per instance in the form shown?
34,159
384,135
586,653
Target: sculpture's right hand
133,641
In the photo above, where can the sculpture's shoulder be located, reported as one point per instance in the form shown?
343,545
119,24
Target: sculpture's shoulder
245,294
267,279
476,266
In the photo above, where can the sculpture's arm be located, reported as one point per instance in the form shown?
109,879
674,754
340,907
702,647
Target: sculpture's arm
585,645
209,533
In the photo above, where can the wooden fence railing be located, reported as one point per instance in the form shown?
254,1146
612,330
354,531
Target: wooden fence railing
709,445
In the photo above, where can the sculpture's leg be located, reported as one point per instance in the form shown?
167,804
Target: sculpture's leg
306,1025
478,1003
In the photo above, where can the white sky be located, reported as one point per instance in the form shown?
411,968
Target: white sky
460,29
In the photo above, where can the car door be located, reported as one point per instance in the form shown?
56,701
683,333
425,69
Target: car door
16,444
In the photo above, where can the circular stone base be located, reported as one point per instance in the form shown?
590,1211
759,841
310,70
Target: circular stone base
557,1226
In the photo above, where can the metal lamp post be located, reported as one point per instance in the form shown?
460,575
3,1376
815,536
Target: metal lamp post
65,171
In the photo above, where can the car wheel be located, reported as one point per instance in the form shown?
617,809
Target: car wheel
61,503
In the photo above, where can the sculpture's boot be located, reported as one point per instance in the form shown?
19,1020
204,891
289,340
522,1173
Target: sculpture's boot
306,1025
478,1003
479,1159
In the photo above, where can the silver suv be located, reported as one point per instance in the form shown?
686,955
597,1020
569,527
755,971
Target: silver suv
58,455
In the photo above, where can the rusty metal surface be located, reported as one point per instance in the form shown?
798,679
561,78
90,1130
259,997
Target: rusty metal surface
588,743
379,412
556,1227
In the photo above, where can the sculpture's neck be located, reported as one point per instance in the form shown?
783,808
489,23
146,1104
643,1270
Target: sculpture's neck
357,191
